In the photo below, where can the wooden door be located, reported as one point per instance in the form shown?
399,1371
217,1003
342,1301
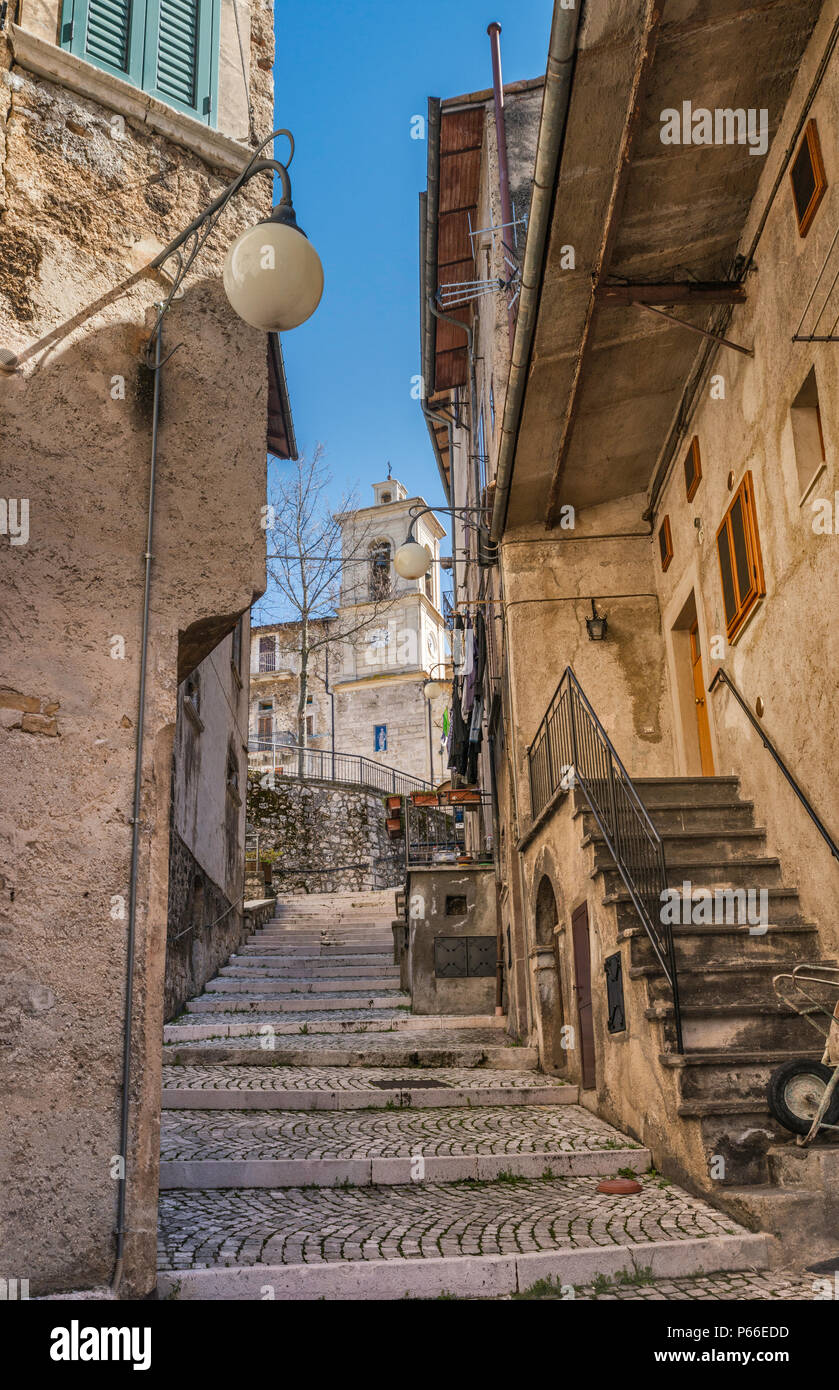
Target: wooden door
703,727
582,989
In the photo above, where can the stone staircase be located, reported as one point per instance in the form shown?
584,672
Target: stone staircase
320,1141
735,1030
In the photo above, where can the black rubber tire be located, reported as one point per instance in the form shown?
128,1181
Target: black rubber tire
776,1095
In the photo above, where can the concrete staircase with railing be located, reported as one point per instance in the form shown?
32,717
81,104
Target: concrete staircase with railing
736,1032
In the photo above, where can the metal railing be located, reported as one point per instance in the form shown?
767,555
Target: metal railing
444,834
571,748
720,676
322,765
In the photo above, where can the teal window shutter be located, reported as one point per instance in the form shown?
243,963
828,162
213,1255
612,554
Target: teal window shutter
108,33
181,55
169,48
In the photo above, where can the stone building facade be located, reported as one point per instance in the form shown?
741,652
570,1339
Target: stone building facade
98,171
366,686
676,479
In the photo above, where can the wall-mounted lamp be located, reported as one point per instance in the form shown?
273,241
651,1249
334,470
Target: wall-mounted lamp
413,560
596,626
433,685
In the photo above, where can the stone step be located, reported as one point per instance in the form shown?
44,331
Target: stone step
732,1075
248,1022
783,906
369,1088
255,984
694,847
298,1005
456,1048
210,1149
739,981
708,947
698,791
315,970
749,1027
426,1239
261,980
686,815
746,873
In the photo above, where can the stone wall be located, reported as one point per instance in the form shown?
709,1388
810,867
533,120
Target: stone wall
328,838
204,928
81,209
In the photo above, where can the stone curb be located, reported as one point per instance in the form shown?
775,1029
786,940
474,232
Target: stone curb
464,1275
436,1099
202,1174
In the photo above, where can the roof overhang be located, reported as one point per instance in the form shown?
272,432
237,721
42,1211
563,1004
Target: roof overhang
281,441
607,371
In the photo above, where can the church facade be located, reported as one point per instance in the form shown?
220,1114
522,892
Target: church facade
366,685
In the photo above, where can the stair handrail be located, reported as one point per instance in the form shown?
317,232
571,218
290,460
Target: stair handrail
722,676
571,747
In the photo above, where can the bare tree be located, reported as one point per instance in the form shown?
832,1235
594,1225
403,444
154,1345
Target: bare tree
308,551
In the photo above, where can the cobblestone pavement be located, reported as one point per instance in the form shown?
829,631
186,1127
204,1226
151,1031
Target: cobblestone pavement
213,1134
304,1226
789,1285
223,1078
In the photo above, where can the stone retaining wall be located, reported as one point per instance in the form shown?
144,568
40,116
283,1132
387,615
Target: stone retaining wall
328,838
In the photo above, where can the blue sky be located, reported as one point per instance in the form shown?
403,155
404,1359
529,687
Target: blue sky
348,79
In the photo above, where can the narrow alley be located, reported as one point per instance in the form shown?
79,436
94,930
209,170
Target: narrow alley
317,1140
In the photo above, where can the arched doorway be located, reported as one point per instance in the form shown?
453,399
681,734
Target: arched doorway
545,964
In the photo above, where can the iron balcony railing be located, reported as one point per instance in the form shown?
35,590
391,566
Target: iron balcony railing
571,748
322,765
444,834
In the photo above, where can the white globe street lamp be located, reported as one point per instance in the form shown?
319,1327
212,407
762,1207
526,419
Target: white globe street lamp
273,276
412,560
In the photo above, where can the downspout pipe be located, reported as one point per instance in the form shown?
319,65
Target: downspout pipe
494,31
135,830
555,100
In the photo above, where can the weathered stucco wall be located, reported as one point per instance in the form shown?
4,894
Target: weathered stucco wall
81,210
206,860
449,903
326,838
788,653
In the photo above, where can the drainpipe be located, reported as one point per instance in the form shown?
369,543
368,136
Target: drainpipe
558,77
494,31
135,831
430,744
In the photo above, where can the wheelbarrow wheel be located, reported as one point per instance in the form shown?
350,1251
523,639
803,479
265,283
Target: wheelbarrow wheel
795,1092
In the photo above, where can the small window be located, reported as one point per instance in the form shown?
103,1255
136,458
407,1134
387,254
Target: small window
455,906
380,580
310,726
693,468
665,543
380,738
192,693
386,497
168,48
807,178
267,654
807,434
741,566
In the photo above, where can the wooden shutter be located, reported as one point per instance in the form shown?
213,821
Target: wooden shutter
107,33
741,564
169,48
181,54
